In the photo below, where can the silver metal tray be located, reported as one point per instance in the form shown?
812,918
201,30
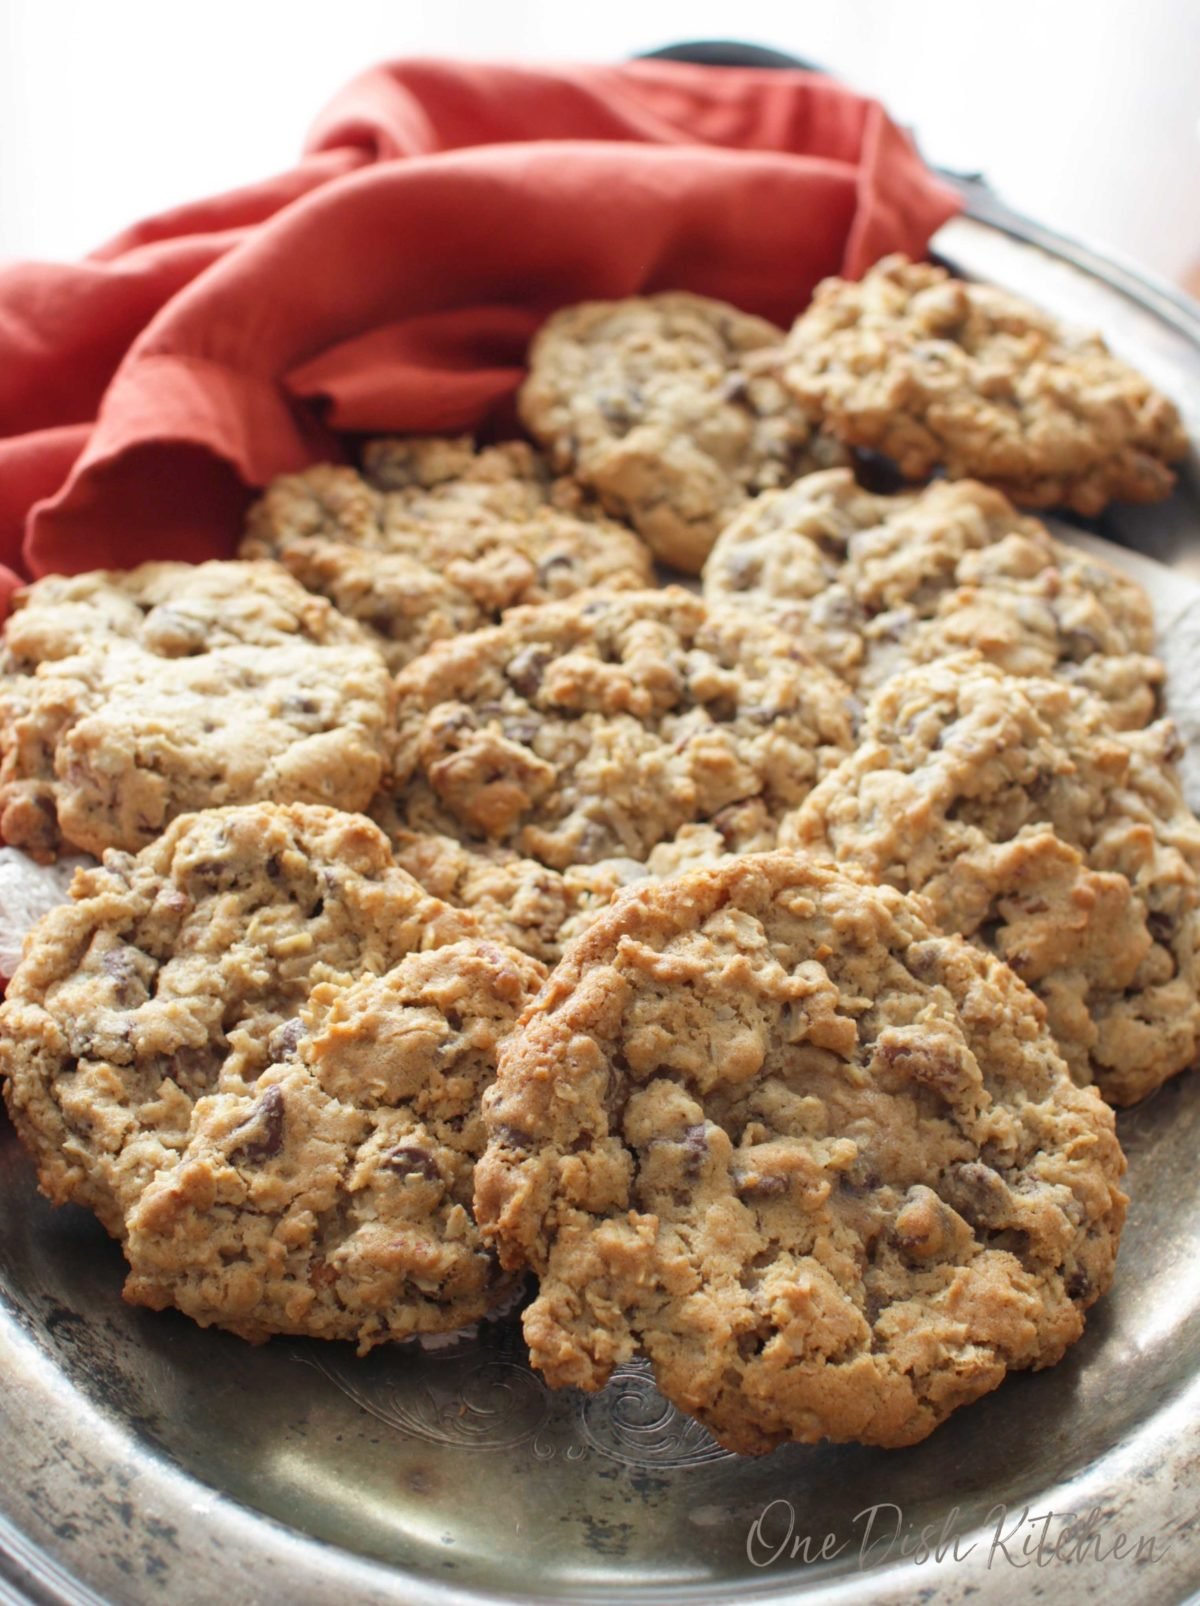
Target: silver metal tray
144,1460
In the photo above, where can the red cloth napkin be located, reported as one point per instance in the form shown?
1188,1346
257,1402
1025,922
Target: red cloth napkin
392,280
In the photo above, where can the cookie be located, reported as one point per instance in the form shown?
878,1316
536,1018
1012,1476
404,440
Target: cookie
180,973
874,584
332,1198
595,729
435,538
821,1164
657,404
172,610
935,373
1039,832
129,699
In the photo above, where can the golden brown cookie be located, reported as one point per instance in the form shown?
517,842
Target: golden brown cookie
874,584
936,373
656,404
180,973
127,699
332,1197
822,1165
595,729
436,537
1035,829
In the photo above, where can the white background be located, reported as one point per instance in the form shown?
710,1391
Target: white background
1082,112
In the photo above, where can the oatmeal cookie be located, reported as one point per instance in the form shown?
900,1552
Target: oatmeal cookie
936,373
333,1196
173,610
180,973
1039,832
823,1165
436,537
129,699
658,404
595,729
874,584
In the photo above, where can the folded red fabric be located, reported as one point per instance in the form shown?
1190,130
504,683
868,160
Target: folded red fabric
392,280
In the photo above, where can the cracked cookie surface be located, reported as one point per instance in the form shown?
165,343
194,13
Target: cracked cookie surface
595,729
873,584
179,973
822,1165
434,538
515,899
656,403
333,1197
937,373
129,699
1039,832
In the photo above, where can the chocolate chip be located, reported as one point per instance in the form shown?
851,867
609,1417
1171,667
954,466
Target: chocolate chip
742,571
528,668
1173,748
1077,643
120,966
979,1193
512,1137
621,409
410,1160
211,870
264,1129
757,1185
462,719
1079,1284
194,1069
695,1141
284,1039
557,566
692,1147
1161,927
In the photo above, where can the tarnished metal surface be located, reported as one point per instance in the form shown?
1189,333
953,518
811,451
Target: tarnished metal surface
145,1460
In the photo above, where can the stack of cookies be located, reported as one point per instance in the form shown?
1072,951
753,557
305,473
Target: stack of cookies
755,963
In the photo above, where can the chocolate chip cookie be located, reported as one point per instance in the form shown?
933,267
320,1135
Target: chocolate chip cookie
129,699
435,537
821,1164
180,973
874,584
595,729
936,373
657,404
1036,830
332,1196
